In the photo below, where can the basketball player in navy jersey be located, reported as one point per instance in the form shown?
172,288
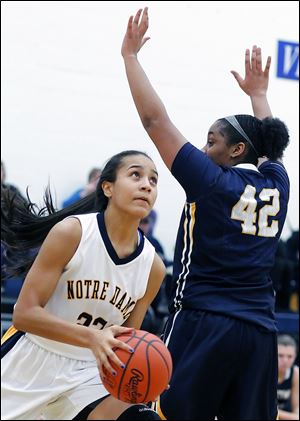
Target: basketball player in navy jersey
288,379
221,331
93,279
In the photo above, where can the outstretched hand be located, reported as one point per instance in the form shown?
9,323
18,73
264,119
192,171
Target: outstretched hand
135,35
256,79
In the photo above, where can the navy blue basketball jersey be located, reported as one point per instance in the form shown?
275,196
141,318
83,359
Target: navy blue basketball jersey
228,235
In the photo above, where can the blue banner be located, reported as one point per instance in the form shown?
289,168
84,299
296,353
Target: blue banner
288,60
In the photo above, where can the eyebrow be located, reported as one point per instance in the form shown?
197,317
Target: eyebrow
213,133
141,166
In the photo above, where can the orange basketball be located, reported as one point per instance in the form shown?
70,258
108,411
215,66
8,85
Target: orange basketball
147,370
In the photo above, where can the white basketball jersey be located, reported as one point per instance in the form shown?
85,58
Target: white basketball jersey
97,288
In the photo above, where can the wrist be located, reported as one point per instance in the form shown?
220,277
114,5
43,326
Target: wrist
130,56
258,95
88,336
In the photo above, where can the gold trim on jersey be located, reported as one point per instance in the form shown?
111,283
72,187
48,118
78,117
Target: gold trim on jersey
158,409
188,229
8,334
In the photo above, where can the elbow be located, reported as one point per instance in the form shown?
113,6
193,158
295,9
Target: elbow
147,122
20,318
151,123
17,319
17,322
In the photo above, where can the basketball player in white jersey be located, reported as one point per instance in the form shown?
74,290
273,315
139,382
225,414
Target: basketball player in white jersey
93,279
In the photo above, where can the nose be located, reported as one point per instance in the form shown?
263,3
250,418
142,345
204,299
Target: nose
204,149
145,185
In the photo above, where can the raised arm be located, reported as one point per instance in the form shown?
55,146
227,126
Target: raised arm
152,112
256,82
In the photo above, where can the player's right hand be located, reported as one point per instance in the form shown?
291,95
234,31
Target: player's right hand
102,344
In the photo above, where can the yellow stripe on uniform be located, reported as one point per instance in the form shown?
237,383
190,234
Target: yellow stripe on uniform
158,410
8,334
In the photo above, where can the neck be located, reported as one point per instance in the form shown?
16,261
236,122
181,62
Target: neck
122,231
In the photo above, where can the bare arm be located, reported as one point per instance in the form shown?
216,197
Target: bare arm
152,112
284,415
30,314
256,82
157,274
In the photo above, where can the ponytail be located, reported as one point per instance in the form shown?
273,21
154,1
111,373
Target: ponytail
24,226
275,138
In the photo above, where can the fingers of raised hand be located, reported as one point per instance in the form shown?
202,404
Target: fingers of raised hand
137,17
258,60
268,64
140,24
144,21
129,26
253,58
247,61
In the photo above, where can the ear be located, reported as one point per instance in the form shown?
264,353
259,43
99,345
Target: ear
237,150
107,188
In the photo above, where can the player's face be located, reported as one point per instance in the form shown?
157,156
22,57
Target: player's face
286,357
216,147
135,188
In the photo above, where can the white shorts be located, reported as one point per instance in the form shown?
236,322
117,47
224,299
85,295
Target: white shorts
35,381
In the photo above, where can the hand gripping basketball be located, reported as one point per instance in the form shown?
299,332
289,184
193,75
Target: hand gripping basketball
147,371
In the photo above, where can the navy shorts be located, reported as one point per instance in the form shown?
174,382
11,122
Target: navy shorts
223,367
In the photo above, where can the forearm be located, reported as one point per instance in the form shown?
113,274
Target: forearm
284,415
260,106
40,322
147,102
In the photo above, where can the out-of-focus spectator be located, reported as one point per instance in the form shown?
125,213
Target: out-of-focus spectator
5,185
288,379
292,246
10,286
147,226
282,275
159,304
90,187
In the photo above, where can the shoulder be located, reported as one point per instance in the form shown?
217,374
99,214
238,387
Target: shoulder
158,269
188,152
60,244
268,165
276,170
68,229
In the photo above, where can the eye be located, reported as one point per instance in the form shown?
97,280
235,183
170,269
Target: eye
153,181
135,174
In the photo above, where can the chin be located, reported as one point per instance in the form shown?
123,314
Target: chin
144,213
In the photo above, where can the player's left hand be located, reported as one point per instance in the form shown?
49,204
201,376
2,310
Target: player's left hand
256,79
134,38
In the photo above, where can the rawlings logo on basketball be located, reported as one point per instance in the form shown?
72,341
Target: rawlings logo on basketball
131,388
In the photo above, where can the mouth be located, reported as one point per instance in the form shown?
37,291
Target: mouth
143,199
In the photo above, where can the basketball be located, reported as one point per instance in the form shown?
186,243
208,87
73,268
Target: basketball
147,370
